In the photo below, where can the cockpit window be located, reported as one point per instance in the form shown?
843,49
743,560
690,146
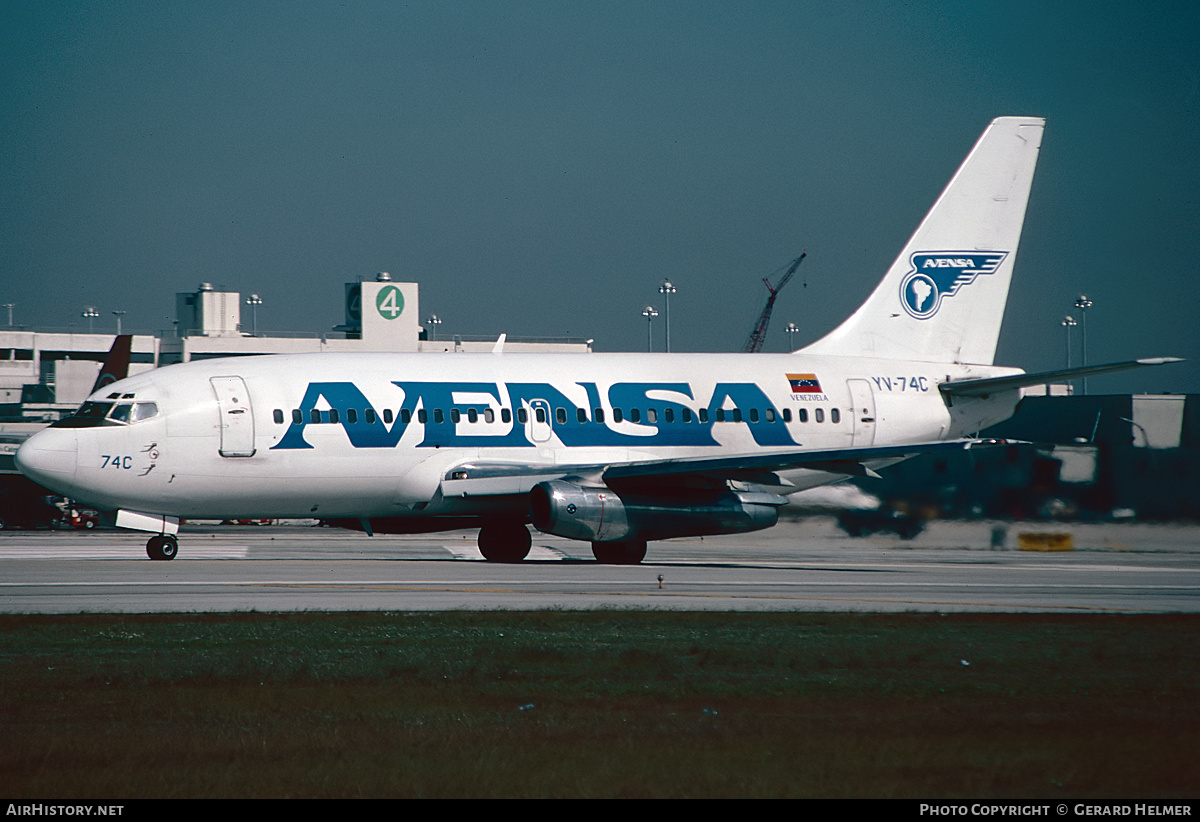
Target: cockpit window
89,415
96,414
144,411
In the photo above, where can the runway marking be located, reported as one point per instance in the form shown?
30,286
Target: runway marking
122,552
475,585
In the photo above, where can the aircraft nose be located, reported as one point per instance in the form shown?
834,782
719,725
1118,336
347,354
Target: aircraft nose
48,457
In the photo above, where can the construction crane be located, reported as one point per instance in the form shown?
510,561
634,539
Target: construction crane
755,343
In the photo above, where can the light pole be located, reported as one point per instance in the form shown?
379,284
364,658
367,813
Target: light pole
1068,322
9,306
90,314
666,289
120,313
791,329
254,301
433,322
649,313
1083,304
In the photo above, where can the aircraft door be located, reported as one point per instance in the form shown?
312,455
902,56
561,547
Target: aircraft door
540,424
863,413
237,417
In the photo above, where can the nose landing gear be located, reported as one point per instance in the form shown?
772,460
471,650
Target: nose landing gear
162,546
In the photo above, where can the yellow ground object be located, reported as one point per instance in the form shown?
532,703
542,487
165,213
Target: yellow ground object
1045,542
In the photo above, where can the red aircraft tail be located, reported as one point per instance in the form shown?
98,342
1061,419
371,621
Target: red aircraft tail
116,364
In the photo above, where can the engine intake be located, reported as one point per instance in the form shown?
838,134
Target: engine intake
601,515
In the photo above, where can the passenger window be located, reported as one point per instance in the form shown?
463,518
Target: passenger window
314,415
598,414
455,416
769,415
522,416
352,416
333,415
369,416
540,413
719,415
560,414
489,415
581,414
651,415
438,416
422,416
703,412
505,415
635,415
617,417
297,416
819,415
803,415
835,415
753,415
669,414
387,416
472,415
278,416
787,415
687,415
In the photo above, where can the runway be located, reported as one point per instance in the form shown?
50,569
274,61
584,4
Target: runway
809,565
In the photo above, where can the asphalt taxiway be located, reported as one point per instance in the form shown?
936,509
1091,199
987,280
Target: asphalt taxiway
808,565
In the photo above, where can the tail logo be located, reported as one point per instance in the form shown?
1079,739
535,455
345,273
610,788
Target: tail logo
937,275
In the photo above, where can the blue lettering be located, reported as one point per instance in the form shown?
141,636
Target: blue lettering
628,395
440,395
666,422
749,395
344,395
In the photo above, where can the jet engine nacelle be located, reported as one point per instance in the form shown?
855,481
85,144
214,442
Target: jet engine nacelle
600,515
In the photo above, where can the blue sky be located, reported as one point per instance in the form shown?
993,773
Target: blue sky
540,167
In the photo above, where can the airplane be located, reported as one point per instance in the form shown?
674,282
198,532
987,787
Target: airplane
613,449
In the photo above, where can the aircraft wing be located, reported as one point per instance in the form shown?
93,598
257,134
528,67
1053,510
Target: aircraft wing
492,478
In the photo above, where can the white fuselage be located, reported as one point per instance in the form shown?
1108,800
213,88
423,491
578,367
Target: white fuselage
380,435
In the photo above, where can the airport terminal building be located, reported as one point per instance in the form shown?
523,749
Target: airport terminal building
46,375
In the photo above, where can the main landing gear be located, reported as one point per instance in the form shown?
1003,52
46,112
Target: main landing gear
504,541
162,546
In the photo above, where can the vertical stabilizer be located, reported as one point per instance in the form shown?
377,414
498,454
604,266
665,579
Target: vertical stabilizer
116,364
943,298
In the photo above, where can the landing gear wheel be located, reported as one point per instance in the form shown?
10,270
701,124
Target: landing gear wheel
625,552
504,541
163,546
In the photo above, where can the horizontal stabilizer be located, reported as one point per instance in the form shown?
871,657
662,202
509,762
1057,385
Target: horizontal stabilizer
993,385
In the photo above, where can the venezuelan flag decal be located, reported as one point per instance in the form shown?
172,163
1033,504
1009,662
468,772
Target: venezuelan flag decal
805,384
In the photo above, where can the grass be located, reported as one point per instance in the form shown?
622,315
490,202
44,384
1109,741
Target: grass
598,704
